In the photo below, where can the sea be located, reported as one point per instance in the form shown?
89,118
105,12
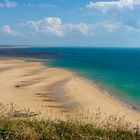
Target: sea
115,70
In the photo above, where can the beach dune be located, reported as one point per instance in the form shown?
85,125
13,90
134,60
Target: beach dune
54,92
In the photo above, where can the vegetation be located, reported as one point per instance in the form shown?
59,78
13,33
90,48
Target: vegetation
29,128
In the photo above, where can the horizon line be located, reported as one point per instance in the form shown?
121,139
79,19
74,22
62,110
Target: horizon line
63,46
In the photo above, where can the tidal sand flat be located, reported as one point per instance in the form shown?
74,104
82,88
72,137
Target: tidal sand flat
55,93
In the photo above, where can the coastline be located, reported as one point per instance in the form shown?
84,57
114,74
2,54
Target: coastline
110,95
104,90
36,82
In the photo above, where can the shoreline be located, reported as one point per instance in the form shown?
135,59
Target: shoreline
103,89
107,93
46,78
110,94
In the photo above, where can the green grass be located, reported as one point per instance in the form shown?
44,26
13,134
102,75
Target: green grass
18,124
32,129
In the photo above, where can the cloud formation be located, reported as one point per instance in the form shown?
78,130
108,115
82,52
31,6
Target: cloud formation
82,28
9,31
12,4
8,4
50,25
55,26
108,5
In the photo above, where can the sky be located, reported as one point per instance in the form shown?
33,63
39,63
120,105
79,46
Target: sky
105,23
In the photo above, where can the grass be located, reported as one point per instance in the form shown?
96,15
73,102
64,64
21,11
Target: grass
14,126
28,129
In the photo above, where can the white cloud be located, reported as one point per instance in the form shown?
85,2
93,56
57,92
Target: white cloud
35,24
50,25
12,4
111,27
54,26
81,28
8,4
107,5
9,31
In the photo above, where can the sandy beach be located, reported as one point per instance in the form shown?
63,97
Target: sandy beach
54,92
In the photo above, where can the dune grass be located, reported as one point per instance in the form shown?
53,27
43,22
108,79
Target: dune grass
16,125
27,129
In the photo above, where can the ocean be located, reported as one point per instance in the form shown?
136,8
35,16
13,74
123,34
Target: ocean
116,70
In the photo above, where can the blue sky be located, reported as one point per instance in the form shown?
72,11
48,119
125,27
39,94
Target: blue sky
70,22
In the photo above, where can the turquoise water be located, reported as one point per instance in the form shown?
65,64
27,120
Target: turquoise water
117,70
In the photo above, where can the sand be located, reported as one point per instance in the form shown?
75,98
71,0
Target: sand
56,93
